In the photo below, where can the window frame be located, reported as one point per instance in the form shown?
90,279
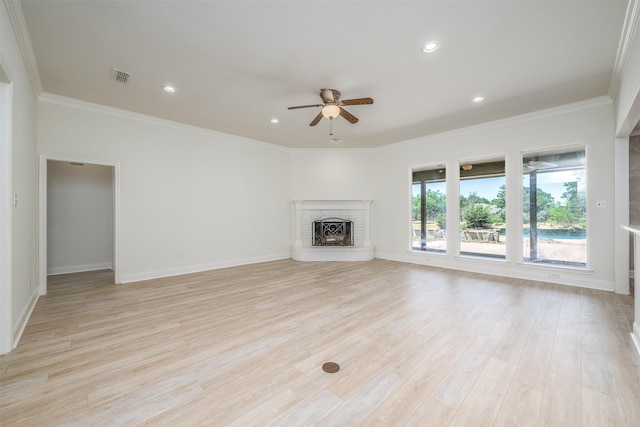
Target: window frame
489,163
441,168
546,152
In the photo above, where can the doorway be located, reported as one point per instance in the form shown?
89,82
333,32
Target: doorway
79,205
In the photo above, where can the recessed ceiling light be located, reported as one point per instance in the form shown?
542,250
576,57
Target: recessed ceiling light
430,46
169,89
275,120
478,99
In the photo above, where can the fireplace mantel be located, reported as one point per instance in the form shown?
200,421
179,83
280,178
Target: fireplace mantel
307,211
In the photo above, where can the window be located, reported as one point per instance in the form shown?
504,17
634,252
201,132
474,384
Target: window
429,210
482,209
554,208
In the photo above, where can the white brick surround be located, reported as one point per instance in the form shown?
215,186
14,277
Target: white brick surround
307,211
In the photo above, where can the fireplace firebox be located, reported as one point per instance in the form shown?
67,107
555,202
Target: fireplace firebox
305,243
332,232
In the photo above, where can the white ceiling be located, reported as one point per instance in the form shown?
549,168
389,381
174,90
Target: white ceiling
237,64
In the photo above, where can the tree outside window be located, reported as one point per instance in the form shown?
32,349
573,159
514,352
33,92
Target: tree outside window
555,217
483,209
429,210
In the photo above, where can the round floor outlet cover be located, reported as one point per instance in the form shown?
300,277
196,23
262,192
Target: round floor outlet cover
331,367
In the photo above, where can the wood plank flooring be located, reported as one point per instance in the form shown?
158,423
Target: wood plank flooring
244,346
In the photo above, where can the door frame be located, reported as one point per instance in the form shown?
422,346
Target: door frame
42,214
6,209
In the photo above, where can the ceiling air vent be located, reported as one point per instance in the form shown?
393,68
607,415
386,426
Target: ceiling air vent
119,75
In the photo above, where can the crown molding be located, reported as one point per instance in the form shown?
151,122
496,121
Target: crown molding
16,17
631,23
337,150
116,112
64,101
534,115
522,118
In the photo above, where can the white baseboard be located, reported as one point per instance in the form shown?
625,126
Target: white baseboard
498,267
79,268
635,336
176,271
18,330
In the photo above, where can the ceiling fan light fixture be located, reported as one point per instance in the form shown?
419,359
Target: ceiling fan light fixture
330,111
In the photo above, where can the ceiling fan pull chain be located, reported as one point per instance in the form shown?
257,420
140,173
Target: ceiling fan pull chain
331,127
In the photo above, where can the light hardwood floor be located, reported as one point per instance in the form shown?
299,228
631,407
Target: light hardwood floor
244,346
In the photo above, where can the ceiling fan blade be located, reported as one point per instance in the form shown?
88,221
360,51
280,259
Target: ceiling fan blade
316,120
347,115
356,101
304,106
329,96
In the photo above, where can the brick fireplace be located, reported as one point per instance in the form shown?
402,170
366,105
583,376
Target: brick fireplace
358,212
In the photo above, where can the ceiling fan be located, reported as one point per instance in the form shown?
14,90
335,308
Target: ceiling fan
332,106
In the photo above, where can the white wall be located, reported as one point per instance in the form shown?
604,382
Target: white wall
589,123
79,217
332,174
190,199
21,286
